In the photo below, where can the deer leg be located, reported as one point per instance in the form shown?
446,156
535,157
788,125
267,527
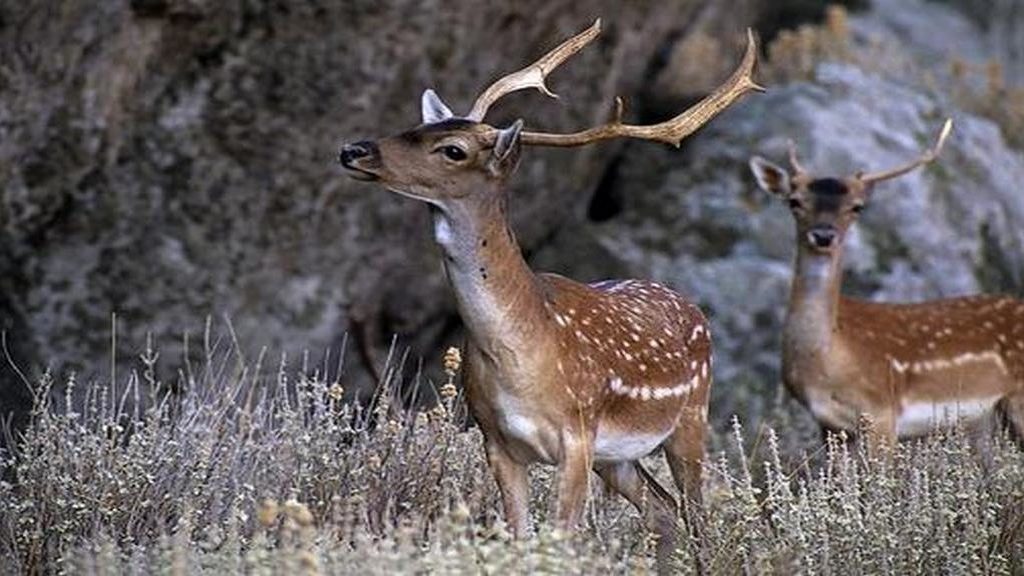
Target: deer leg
1012,409
628,479
573,475
513,483
684,450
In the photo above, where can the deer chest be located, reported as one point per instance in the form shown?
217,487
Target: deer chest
527,432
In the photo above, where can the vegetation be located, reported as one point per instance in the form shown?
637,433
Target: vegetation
268,467
977,87
272,471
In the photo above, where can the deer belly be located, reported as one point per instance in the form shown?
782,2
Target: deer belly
923,417
611,445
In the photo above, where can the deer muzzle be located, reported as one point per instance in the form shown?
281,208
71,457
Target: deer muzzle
362,159
822,237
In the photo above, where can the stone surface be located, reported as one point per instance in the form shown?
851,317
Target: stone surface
941,31
169,160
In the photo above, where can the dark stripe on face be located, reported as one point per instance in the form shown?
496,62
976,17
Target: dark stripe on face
828,194
828,187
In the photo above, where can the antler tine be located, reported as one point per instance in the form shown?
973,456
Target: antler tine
928,156
798,168
533,75
671,131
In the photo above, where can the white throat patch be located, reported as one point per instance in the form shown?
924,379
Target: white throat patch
443,234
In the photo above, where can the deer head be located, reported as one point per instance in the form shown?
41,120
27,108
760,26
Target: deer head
449,157
438,161
825,208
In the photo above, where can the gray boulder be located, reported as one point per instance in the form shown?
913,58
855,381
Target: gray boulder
940,31
170,160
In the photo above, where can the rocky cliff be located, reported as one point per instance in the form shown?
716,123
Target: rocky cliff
173,160
170,160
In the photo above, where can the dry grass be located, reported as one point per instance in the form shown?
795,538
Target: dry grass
273,473
982,89
977,87
795,54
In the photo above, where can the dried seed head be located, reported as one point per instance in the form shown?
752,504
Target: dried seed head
438,413
298,512
336,392
308,562
267,513
837,21
460,513
393,427
448,391
452,361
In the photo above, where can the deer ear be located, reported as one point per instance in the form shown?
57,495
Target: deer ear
770,177
433,109
505,154
507,140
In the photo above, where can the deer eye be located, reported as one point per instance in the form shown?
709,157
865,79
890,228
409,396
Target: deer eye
453,153
857,208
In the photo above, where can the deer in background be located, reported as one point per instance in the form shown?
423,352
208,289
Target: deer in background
906,368
583,377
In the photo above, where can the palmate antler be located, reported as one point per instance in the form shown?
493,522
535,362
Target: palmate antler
670,132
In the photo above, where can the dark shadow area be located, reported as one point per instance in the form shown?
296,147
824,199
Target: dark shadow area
788,14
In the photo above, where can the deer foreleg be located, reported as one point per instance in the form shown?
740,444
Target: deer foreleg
573,474
513,483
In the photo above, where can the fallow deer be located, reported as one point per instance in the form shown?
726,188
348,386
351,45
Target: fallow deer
907,369
558,372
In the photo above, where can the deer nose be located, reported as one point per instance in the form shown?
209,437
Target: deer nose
822,236
351,152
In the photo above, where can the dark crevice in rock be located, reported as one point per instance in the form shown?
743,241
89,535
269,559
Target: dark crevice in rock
663,54
207,157
789,14
606,203
995,270
15,364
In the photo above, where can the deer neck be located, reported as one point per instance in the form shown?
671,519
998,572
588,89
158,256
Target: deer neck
498,296
810,328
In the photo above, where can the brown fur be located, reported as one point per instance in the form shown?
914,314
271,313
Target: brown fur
907,368
584,377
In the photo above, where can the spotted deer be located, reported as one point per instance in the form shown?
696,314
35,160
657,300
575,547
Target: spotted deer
584,377
907,369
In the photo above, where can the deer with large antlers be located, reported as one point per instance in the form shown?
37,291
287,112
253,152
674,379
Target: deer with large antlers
907,369
584,377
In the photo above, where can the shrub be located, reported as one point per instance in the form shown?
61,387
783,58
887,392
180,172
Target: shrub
255,473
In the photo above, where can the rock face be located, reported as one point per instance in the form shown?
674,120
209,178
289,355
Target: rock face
169,160
938,29
696,220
